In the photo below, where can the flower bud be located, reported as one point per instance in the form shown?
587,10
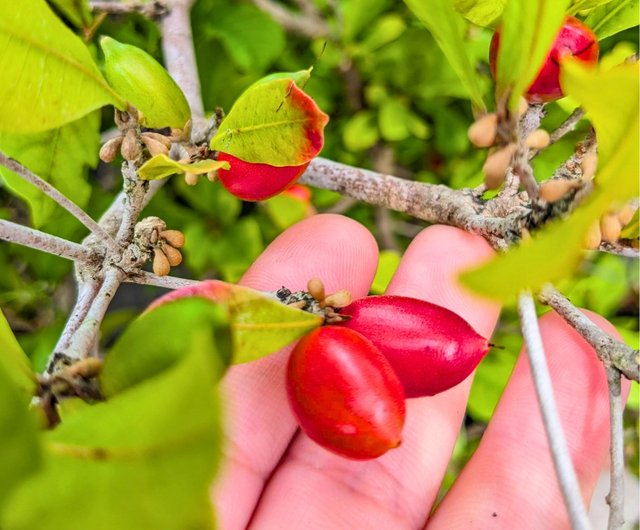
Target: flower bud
538,139
109,150
174,237
482,132
610,227
153,146
130,148
173,255
593,237
496,166
161,265
554,189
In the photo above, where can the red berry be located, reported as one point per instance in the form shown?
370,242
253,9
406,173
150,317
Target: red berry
574,39
430,348
344,393
255,182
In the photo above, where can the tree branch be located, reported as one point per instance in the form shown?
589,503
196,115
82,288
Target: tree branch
63,201
557,443
29,237
620,250
168,282
615,498
609,350
114,7
179,55
302,24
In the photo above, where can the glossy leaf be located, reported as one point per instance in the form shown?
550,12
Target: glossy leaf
260,324
54,80
20,455
159,339
61,156
161,166
448,29
144,459
14,361
528,31
300,77
144,82
613,17
388,263
273,123
481,12
609,99
583,6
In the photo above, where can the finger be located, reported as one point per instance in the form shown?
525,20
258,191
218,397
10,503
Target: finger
258,424
510,480
315,489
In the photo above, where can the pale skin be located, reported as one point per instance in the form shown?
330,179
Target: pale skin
274,477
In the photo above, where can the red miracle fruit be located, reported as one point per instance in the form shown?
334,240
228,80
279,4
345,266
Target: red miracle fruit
574,39
430,347
345,394
256,182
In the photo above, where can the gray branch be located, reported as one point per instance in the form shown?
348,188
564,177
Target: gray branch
305,24
620,250
555,435
615,498
609,350
29,237
168,282
63,201
114,7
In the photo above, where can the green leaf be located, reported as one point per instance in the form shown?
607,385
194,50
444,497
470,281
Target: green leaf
583,6
609,98
142,81
394,120
528,31
448,29
53,77
159,339
613,17
15,362
481,12
76,11
360,131
385,30
632,228
161,166
285,211
61,156
252,38
20,455
388,263
360,14
144,459
300,77
260,324
272,123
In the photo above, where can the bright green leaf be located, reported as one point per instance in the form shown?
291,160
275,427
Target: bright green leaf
610,100
144,459
481,12
61,156
143,81
300,77
613,17
161,166
448,29
14,361
582,6
360,14
20,454
159,339
528,31
632,228
76,11
272,123
260,324
385,30
361,131
54,80
285,211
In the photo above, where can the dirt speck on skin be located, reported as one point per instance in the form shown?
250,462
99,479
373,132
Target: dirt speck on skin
494,514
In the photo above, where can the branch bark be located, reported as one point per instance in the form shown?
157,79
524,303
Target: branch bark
615,498
168,282
147,9
555,435
63,201
609,350
29,237
302,24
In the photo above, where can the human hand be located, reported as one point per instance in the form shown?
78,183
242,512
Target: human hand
274,477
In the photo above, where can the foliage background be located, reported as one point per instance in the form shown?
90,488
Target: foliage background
395,106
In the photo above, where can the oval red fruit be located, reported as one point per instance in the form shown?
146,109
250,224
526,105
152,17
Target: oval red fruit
574,39
344,393
256,182
430,348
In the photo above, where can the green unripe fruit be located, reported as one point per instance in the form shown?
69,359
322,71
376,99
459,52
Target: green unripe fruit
142,81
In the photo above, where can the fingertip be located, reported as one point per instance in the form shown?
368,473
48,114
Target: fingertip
337,249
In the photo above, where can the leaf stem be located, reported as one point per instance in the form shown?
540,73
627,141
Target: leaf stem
542,381
63,201
29,237
168,282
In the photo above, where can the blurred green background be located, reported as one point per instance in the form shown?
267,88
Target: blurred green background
395,105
